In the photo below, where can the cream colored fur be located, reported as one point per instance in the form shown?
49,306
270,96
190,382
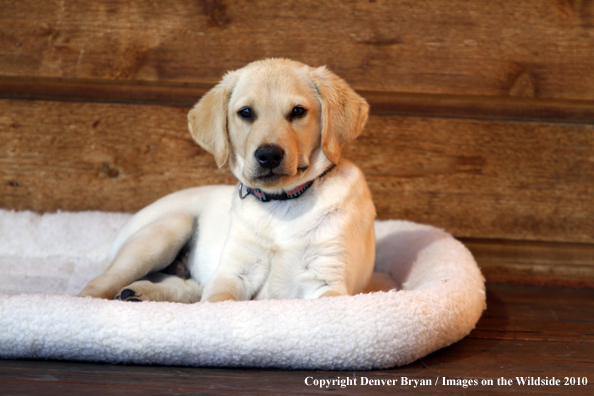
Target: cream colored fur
320,244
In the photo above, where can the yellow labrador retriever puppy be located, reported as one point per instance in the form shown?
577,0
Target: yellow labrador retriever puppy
298,225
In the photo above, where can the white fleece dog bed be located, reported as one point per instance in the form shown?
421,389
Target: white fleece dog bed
45,260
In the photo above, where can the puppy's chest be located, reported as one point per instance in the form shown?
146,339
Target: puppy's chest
302,250
299,269
284,226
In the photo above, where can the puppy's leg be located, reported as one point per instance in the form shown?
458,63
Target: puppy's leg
226,287
237,283
323,275
162,287
150,249
243,269
331,293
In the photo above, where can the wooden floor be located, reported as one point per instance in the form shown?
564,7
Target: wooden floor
527,331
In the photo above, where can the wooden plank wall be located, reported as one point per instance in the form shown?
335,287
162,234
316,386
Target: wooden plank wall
482,112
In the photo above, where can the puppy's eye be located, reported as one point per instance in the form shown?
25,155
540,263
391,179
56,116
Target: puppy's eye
297,112
246,112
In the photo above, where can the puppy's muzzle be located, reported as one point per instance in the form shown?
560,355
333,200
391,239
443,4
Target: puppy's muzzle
269,156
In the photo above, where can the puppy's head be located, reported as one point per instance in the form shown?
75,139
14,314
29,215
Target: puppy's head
278,122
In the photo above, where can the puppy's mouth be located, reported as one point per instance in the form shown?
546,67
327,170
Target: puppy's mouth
270,177
273,178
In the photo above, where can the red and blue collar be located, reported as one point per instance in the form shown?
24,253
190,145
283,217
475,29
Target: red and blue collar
267,197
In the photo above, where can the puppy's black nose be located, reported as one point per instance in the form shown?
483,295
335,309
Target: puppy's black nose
269,155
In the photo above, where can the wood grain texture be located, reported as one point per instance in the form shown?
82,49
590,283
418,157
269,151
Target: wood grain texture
79,156
525,332
534,263
476,179
479,107
382,103
503,180
113,91
537,314
532,48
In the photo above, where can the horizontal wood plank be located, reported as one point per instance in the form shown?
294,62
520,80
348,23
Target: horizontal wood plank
469,359
476,179
106,91
500,346
97,157
497,180
537,314
532,48
534,263
382,103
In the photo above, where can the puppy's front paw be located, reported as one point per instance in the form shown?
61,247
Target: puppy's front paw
331,293
103,286
218,297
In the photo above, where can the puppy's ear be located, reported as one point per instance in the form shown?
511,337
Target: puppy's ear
207,121
344,113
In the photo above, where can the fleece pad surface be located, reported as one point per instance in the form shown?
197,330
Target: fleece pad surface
437,299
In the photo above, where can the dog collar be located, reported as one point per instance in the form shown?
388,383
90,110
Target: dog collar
266,197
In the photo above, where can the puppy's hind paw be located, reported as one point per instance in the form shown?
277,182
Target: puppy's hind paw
140,291
128,295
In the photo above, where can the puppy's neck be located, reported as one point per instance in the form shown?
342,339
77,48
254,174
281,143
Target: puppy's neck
296,192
